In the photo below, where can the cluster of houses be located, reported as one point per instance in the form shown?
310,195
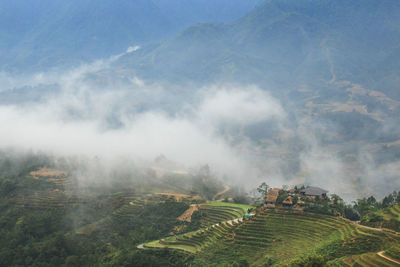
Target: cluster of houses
293,196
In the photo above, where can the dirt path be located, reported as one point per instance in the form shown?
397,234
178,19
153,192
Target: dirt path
226,189
187,215
381,254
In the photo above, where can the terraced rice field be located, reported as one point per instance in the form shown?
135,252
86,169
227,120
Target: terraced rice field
217,218
44,200
284,236
196,241
393,252
216,212
371,259
127,211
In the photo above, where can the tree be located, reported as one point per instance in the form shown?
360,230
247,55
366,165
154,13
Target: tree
351,213
362,206
314,260
388,201
338,204
295,200
262,189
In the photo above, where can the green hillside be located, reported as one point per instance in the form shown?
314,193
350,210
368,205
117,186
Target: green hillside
217,218
386,218
284,237
366,259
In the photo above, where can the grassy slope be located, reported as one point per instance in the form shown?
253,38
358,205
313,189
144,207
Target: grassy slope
367,259
213,217
389,218
282,236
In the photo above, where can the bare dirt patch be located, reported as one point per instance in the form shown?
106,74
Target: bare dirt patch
45,172
187,215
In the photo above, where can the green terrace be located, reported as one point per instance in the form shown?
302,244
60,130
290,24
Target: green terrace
371,259
282,236
217,220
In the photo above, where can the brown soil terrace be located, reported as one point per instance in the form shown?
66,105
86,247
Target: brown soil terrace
187,215
45,172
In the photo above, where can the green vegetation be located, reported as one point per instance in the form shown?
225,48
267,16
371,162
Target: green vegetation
49,221
386,218
217,219
366,259
281,237
215,212
285,236
385,213
46,221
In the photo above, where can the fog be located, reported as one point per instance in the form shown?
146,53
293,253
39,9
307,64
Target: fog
92,111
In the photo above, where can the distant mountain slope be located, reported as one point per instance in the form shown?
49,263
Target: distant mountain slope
285,43
53,32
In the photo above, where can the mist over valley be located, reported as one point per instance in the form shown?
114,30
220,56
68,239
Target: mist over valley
152,129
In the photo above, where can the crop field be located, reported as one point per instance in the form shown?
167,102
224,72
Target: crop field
284,236
371,259
394,252
197,240
50,199
217,218
214,212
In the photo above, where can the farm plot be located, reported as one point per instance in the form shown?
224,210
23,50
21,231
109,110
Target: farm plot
283,236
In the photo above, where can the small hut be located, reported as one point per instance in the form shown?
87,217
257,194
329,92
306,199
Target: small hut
288,202
270,199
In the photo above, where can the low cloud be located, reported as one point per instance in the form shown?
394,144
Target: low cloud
240,106
126,121
241,132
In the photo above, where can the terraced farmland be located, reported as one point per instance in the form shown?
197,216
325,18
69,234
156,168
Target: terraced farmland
283,236
127,211
394,252
371,259
196,241
217,218
44,200
215,212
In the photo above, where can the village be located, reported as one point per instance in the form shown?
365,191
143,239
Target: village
296,198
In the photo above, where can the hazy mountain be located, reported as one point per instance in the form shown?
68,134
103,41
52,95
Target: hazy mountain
53,33
285,43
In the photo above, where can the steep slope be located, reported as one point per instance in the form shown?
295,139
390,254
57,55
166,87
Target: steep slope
283,43
283,237
81,29
52,33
